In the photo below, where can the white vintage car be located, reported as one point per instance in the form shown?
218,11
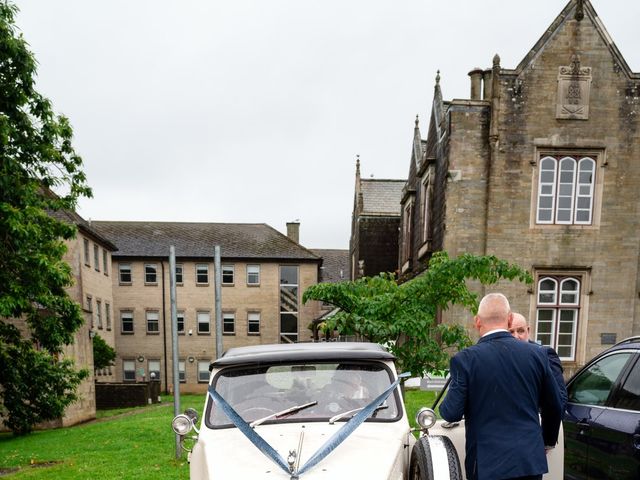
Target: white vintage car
311,411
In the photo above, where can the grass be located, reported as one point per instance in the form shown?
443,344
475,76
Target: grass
137,443
125,443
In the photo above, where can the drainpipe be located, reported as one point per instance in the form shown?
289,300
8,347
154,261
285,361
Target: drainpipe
164,334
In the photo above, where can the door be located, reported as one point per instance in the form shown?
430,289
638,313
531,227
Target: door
589,392
614,449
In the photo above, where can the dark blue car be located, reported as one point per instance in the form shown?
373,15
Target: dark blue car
602,421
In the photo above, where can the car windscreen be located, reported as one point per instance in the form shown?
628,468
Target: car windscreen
260,391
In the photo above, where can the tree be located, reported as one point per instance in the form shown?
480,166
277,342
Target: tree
404,316
37,317
103,354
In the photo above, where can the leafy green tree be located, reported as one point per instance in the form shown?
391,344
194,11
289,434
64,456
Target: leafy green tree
404,316
36,159
103,354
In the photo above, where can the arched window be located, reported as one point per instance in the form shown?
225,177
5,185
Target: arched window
557,312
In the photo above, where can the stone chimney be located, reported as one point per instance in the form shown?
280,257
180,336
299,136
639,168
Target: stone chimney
476,83
293,231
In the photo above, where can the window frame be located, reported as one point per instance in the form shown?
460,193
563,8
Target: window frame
180,281
122,269
159,370
283,312
257,274
554,302
198,322
107,315
87,255
96,257
228,315
151,278
148,321
123,312
226,268
182,372
105,262
206,364
99,313
552,189
254,321
124,374
198,273
181,313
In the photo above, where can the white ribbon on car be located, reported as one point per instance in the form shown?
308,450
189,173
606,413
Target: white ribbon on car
330,445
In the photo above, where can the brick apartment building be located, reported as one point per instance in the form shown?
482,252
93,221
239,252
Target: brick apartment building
264,274
89,256
540,167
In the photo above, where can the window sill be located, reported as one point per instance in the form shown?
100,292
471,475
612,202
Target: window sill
253,334
227,334
228,284
127,333
106,274
153,333
204,333
125,284
250,285
202,284
150,284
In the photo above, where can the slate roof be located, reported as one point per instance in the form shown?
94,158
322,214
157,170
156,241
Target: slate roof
381,197
335,265
197,240
84,226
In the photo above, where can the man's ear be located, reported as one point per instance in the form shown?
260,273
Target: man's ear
477,322
509,320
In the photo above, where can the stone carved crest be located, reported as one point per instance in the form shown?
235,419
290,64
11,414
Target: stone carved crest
574,87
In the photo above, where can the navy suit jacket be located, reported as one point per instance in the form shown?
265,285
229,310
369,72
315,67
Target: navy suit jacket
501,385
556,370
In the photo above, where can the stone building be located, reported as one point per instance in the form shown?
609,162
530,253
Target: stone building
373,246
89,256
539,167
264,274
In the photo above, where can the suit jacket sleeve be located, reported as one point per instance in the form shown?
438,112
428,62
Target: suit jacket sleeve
551,408
556,370
452,407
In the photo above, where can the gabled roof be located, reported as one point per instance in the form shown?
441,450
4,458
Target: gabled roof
381,197
197,240
335,265
569,13
84,226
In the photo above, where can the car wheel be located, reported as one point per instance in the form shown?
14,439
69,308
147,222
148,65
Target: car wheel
434,458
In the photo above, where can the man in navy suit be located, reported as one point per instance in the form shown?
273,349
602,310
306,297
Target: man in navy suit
521,330
501,386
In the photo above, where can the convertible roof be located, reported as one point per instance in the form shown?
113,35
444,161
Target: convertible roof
284,353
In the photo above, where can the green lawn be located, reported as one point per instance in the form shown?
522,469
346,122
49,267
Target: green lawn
128,443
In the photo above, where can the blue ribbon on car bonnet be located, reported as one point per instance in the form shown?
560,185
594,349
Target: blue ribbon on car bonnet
348,428
249,432
328,447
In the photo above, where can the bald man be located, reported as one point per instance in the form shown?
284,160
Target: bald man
502,387
521,330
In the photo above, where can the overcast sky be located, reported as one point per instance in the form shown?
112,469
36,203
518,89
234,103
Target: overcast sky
255,110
